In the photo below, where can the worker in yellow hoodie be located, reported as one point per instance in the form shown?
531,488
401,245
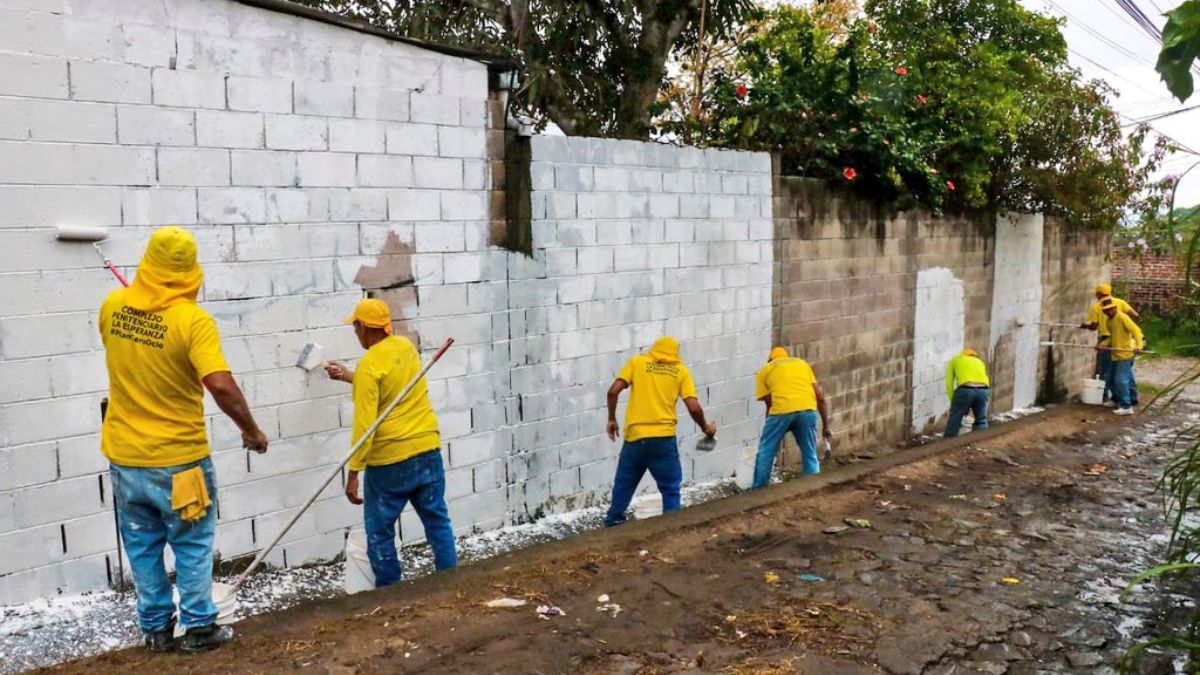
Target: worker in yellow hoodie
162,352
656,381
1126,341
1097,321
968,388
403,461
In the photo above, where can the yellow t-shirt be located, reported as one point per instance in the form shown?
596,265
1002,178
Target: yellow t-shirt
963,369
790,382
1096,315
411,428
654,387
1124,337
156,361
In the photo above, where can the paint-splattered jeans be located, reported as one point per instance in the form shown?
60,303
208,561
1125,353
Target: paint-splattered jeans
148,524
422,481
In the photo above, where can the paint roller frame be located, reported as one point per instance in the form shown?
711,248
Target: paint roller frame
93,235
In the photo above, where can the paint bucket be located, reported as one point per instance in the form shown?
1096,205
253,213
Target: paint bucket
224,596
359,576
647,506
1093,391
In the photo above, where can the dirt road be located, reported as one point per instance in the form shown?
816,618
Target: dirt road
1002,553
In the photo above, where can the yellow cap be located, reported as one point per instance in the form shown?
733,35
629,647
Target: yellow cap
969,352
1104,289
172,249
372,313
778,353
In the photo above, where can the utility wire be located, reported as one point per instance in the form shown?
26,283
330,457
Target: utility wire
1100,36
1169,113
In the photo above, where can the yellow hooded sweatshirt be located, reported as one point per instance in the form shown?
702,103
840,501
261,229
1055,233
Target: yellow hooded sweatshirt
159,345
656,380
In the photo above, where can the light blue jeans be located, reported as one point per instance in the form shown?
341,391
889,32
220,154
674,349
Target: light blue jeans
148,524
1123,386
422,481
803,425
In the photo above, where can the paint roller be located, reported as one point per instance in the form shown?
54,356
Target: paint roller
94,235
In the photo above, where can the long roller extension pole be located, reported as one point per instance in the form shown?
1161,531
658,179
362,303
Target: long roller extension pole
337,470
1099,349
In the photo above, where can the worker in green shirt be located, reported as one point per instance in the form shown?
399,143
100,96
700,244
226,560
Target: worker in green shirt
967,387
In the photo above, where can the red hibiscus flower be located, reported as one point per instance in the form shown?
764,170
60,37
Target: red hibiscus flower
950,185
922,99
849,173
742,91
902,70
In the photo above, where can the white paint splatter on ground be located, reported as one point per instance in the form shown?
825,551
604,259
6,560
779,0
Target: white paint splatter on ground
54,630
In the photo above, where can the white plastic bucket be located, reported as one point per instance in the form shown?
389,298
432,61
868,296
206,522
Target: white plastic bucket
1093,391
224,597
647,506
359,576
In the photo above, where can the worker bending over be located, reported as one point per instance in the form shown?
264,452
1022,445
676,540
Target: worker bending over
967,387
789,389
162,351
1126,342
402,460
1097,321
656,380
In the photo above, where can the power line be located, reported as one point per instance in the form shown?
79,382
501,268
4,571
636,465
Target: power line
1099,36
1169,113
1112,72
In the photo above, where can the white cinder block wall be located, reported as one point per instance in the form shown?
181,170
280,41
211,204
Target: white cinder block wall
938,334
294,150
633,241
1016,303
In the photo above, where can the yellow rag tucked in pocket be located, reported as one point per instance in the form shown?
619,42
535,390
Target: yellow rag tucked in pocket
189,494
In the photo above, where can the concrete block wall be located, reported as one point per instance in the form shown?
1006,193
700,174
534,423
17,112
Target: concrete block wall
633,241
1016,310
846,299
313,164
1073,263
938,323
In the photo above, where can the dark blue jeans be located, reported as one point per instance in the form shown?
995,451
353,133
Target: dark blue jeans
803,425
1123,386
976,400
1104,365
148,523
659,456
1108,373
422,481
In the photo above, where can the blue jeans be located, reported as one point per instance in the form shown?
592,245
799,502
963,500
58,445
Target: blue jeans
422,481
1123,386
968,397
1107,372
803,425
143,498
1104,365
659,456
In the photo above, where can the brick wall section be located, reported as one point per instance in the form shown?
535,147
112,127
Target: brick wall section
1149,282
312,163
633,241
1073,263
845,299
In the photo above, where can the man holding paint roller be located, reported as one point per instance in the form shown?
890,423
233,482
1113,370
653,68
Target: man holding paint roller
1097,321
402,460
1126,341
789,389
162,352
656,380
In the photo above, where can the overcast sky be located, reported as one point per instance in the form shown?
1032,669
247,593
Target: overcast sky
1106,44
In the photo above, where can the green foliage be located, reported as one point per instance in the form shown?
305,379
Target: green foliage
1180,47
1177,335
594,67
949,103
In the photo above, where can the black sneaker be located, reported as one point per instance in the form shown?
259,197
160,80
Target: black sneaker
204,638
162,640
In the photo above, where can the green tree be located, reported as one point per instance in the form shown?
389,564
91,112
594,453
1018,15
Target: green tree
1180,47
593,67
950,103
